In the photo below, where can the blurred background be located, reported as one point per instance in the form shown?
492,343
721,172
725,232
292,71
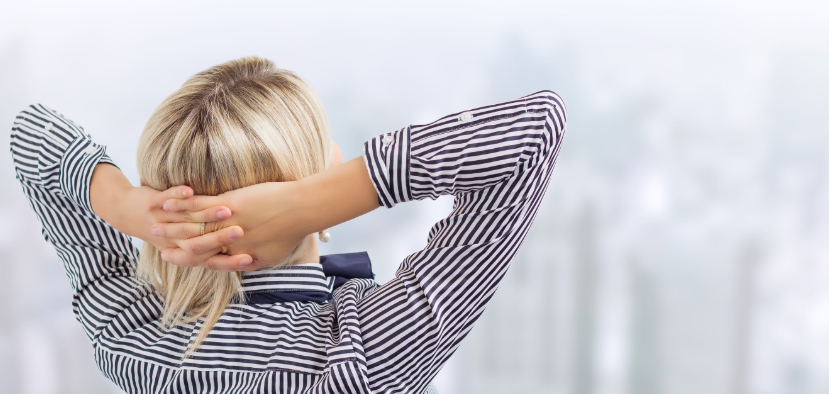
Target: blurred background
681,247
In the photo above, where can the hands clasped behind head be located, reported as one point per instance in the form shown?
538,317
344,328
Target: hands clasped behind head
183,228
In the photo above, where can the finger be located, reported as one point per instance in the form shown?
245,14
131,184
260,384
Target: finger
183,257
179,256
213,214
195,251
176,230
239,262
195,203
218,261
175,192
211,243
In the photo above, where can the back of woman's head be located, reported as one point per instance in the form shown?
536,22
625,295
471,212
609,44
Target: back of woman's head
233,125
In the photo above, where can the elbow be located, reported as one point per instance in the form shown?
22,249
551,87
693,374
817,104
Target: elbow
553,104
25,144
38,138
555,123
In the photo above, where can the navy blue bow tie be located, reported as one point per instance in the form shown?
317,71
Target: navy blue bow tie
306,282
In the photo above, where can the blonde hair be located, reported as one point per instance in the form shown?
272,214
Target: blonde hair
233,125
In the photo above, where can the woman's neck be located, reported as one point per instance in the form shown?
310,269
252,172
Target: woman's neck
308,252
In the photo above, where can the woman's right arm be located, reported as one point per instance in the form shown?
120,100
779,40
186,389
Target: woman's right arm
71,183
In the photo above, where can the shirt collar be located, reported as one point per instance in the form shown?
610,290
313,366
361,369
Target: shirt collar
305,282
300,277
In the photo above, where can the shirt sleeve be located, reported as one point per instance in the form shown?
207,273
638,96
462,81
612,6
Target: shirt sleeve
496,161
54,159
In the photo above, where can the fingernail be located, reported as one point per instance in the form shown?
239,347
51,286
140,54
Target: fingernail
235,234
184,193
164,255
222,215
156,231
166,206
245,261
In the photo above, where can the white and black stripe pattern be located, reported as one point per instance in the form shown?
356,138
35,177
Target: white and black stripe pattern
496,161
394,338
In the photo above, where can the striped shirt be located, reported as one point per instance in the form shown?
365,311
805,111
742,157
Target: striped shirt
496,161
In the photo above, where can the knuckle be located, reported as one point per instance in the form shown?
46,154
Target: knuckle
197,249
210,227
194,248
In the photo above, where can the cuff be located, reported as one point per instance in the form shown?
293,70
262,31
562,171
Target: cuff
388,159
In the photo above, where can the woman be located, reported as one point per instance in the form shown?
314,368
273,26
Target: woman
276,317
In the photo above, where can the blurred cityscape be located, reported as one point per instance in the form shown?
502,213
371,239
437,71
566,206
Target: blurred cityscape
681,247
